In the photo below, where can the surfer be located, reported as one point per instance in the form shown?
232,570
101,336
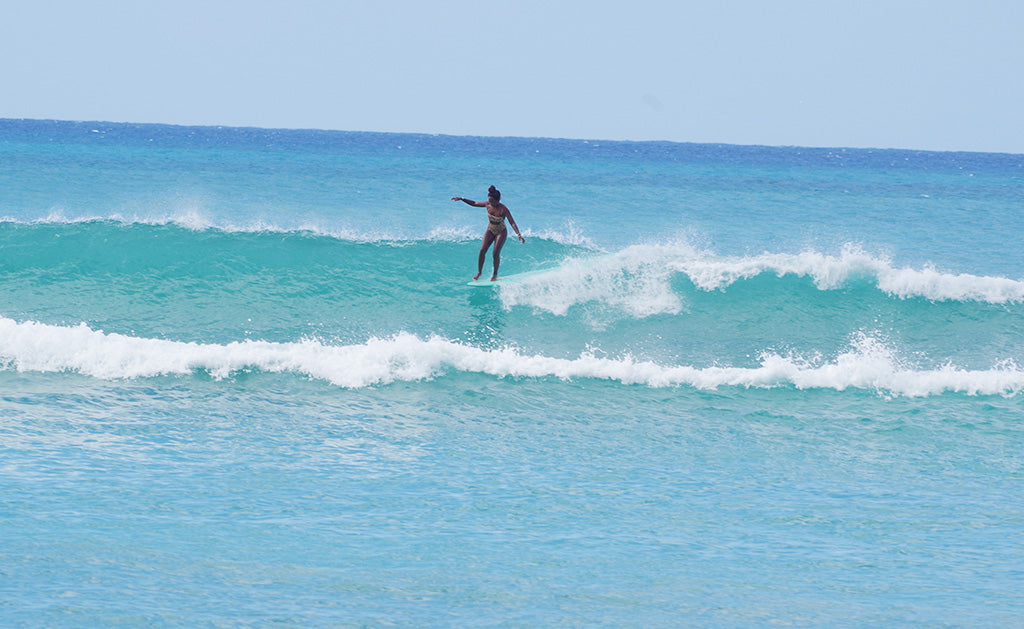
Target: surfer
496,233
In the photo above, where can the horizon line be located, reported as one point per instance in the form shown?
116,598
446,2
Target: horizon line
519,137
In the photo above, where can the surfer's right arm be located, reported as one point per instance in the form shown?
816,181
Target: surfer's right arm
469,202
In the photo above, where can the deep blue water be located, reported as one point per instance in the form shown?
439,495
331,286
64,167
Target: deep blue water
244,382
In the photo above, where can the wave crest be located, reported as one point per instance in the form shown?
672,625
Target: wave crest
195,220
834,271
638,279
868,365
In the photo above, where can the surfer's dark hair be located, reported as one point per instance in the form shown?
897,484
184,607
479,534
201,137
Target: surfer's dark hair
493,193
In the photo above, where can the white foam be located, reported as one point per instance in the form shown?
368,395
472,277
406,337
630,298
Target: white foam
868,365
637,279
629,283
833,271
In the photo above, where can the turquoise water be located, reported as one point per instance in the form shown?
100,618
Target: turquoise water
244,383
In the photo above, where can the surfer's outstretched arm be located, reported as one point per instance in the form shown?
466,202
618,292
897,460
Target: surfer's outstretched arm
469,202
512,222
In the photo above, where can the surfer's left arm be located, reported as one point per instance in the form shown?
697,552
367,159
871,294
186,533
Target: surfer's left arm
512,222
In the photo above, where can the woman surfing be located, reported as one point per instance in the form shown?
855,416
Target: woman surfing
496,233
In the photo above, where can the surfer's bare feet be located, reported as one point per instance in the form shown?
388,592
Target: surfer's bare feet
494,278
476,277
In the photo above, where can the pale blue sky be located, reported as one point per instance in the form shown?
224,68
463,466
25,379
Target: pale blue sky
927,75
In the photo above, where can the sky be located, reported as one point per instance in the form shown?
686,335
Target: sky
932,75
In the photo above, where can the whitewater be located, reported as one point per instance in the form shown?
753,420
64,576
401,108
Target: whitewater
35,347
244,381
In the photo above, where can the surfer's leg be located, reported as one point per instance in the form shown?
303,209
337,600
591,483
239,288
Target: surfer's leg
499,242
488,239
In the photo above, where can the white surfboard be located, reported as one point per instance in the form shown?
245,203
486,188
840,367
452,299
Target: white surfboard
507,279
519,277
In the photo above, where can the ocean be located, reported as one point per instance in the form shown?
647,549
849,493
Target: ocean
243,382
